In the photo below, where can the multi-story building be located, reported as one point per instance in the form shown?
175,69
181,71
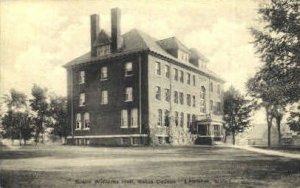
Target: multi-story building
134,89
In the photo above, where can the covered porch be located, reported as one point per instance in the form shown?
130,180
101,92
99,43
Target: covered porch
207,129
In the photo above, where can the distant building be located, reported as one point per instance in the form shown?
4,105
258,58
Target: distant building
132,87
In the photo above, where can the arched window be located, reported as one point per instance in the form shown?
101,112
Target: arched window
203,100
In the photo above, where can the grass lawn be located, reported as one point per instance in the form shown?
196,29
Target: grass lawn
197,166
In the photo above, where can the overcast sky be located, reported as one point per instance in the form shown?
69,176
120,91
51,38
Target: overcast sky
37,38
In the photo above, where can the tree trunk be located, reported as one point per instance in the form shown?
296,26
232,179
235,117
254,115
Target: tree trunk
278,122
233,137
269,135
269,124
20,138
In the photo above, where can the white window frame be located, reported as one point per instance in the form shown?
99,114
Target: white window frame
128,94
104,74
104,97
159,117
134,118
81,79
124,118
157,93
86,120
82,100
157,68
78,121
167,71
128,69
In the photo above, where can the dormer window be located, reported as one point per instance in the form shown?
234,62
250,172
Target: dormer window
103,50
183,56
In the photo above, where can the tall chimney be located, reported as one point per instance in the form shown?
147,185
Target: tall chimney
94,32
116,39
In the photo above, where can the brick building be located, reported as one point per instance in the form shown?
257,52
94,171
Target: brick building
134,89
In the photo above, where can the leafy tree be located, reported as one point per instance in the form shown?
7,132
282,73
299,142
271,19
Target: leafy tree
58,112
294,120
278,44
269,97
39,105
16,122
236,113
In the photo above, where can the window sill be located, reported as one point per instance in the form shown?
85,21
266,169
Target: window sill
104,103
128,100
135,126
103,79
77,129
124,127
128,75
82,105
86,129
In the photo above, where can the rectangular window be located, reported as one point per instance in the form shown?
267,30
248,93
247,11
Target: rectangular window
181,99
134,118
194,80
181,76
128,94
188,78
181,119
167,71
104,97
211,105
211,87
176,118
188,120
157,68
82,99
78,121
104,74
194,101
124,119
158,93
176,74
188,99
128,69
166,119
175,97
81,77
219,106
159,116
167,95
87,122
218,90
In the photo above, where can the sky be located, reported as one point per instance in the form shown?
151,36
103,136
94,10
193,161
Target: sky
38,37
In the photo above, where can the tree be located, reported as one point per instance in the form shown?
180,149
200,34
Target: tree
58,112
269,97
16,121
40,106
236,113
294,120
278,44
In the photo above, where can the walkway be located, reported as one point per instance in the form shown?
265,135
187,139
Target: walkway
269,152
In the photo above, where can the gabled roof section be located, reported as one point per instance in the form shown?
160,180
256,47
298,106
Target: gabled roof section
136,41
102,39
172,43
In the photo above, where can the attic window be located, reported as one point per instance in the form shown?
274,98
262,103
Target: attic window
103,50
183,56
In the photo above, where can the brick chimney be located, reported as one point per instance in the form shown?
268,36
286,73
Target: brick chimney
116,38
94,32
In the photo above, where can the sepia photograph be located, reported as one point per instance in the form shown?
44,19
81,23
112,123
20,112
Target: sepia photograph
160,93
